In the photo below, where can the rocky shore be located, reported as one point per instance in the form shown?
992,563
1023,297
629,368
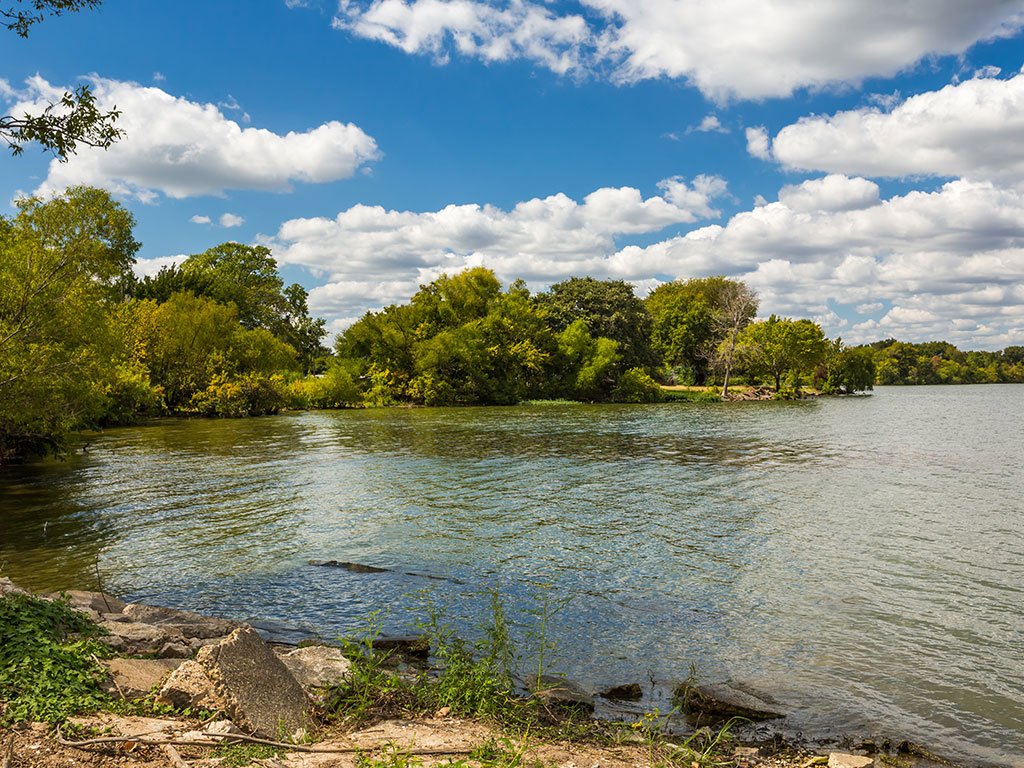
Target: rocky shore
262,693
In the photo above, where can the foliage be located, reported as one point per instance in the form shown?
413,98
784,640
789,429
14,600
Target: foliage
609,308
635,386
238,755
47,666
62,125
938,362
333,389
61,264
778,346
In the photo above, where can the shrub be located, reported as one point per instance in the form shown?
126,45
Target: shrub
635,386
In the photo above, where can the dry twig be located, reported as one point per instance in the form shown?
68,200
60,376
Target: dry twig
174,757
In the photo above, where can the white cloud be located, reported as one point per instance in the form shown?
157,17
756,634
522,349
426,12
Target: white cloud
197,219
947,264
728,49
971,130
757,143
182,148
834,192
231,220
149,267
710,124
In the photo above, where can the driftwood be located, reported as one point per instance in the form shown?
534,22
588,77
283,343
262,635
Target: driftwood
236,737
174,757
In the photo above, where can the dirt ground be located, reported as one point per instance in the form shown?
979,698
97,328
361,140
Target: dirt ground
444,739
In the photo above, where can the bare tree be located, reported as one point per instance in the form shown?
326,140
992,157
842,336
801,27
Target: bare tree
737,306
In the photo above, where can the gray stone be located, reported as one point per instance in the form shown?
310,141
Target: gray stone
559,693
189,686
175,651
843,760
99,602
259,693
317,665
188,623
134,637
8,587
134,678
726,700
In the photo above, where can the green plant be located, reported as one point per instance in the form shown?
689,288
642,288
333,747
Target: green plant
237,755
543,611
48,660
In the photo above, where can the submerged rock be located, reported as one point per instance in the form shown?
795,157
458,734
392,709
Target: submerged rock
726,700
628,692
354,567
258,692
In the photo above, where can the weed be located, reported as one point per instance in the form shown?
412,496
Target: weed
544,609
48,667
237,755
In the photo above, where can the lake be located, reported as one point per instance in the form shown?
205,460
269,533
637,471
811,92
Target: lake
860,559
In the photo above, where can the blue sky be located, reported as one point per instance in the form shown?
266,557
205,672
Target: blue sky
855,163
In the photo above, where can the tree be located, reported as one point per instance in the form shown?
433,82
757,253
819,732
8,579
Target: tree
74,119
609,308
779,346
737,306
60,264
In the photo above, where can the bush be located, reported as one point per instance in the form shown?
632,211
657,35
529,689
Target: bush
635,386
251,394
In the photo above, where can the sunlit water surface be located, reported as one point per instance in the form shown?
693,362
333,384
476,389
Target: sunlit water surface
861,559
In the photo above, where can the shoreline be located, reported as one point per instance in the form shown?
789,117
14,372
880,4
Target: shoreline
169,640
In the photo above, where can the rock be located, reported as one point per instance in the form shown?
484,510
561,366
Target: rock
134,678
135,637
843,760
559,693
628,692
99,602
189,686
726,700
259,693
745,753
412,646
8,587
195,643
175,651
354,567
222,728
188,623
317,665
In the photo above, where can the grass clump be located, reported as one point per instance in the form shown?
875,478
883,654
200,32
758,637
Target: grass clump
48,661
237,755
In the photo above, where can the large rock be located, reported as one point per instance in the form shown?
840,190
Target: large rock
558,693
628,692
134,637
317,665
726,700
188,623
8,587
100,602
258,692
134,678
189,686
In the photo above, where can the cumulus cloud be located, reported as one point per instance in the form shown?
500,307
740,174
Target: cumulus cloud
183,148
758,143
946,264
728,49
971,130
197,219
231,220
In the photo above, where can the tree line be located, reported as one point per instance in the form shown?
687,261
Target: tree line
84,343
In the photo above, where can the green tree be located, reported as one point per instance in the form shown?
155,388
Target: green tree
609,308
736,307
74,119
778,346
61,262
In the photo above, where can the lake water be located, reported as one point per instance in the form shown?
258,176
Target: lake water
860,559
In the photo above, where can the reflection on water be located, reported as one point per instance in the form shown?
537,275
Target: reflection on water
859,558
